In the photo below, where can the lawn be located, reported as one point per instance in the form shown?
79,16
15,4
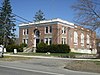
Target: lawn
64,55
88,66
13,58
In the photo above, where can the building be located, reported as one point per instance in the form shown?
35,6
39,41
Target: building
57,31
98,45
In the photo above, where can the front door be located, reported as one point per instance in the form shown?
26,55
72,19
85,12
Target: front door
37,41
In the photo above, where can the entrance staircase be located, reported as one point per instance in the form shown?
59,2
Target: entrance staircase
27,50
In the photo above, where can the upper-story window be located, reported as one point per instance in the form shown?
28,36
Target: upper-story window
48,29
25,31
63,30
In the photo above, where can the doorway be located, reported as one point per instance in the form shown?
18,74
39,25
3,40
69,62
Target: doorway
37,36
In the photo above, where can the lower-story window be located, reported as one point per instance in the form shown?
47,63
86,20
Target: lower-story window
25,41
63,40
48,41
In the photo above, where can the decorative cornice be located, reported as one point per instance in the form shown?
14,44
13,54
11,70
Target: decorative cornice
56,21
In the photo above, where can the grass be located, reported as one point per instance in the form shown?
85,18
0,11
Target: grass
97,62
71,54
13,58
44,54
88,66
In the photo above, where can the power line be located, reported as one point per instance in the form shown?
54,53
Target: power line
21,17
20,21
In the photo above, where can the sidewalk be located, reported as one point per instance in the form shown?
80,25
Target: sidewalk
49,57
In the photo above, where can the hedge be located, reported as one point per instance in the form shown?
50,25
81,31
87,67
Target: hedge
54,48
10,48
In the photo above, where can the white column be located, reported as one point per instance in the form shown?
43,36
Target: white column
34,47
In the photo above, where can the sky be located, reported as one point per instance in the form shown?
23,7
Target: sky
51,9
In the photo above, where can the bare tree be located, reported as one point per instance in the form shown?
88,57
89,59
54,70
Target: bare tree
88,13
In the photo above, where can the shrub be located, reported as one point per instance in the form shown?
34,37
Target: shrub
59,48
41,47
54,48
10,48
23,45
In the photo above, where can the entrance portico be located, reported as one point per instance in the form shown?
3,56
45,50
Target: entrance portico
36,39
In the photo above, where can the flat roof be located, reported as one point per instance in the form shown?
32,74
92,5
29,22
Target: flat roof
49,21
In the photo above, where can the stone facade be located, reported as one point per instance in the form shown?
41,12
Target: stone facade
57,31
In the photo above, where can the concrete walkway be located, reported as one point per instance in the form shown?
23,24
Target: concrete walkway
49,57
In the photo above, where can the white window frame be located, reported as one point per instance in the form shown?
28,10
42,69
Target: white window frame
26,31
63,30
48,40
82,39
63,40
88,39
48,29
26,41
23,32
75,38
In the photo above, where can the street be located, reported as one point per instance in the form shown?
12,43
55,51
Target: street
38,66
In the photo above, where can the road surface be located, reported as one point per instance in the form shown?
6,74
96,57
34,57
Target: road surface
38,66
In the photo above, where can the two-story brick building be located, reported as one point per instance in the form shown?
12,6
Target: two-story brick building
57,31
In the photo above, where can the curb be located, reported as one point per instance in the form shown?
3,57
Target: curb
50,57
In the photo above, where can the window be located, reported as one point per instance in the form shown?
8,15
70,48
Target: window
26,31
63,40
82,39
75,38
23,32
50,29
37,33
88,39
26,41
23,40
48,41
46,29
63,30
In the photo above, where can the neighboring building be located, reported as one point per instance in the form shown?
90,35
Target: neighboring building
57,31
98,45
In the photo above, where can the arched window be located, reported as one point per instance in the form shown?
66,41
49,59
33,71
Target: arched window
82,39
88,39
37,33
75,38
